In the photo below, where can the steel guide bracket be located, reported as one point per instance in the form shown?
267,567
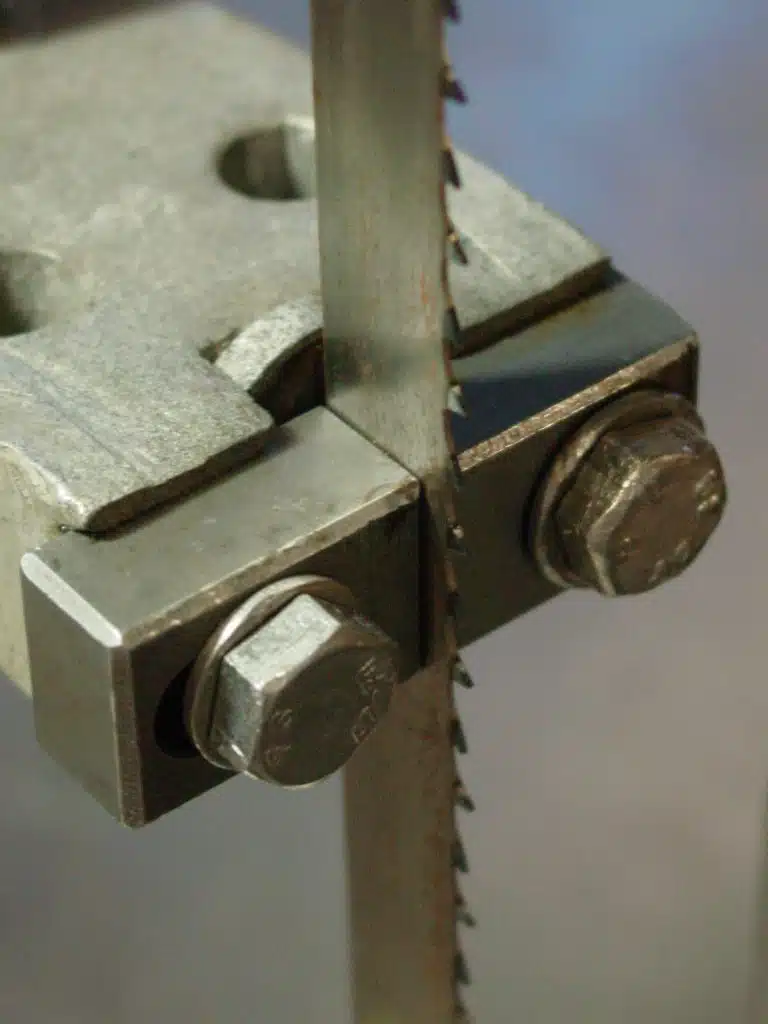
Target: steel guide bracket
178,494
129,612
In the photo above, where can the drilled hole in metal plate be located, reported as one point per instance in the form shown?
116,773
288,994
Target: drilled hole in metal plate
274,162
171,733
35,289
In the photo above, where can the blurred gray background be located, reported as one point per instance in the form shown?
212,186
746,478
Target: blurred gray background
619,750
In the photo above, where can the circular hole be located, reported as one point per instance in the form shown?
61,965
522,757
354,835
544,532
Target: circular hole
274,162
171,733
35,289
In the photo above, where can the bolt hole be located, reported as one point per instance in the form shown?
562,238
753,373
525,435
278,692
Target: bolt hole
171,733
274,162
35,289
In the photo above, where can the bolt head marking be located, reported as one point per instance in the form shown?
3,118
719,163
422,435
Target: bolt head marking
642,506
300,695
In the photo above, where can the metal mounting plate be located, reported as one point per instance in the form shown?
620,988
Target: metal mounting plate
125,256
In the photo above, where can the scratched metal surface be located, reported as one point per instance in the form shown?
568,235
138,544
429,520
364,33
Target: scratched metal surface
619,755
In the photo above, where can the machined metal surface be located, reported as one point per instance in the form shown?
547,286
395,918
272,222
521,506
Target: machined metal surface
297,698
131,259
632,499
114,628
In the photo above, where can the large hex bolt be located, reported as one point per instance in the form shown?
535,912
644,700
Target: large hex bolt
291,685
632,499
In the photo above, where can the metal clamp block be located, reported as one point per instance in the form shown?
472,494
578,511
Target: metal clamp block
116,624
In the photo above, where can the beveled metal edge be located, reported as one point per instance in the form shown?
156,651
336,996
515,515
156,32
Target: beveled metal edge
623,380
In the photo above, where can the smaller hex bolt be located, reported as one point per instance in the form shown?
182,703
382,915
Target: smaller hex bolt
295,699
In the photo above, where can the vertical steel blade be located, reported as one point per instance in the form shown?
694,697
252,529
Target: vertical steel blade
382,235
379,76
400,832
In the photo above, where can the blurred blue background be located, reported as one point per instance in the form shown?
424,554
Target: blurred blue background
619,751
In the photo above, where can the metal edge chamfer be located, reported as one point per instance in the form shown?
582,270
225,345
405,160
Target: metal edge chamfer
645,406
253,613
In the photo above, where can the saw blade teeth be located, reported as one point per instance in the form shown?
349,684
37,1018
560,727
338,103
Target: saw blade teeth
461,1013
463,799
452,330
463,915
461,676
452,10
455,461
459,857
460,969
458,736
451,87
456,400
457,246
455,251
450,166
457,472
